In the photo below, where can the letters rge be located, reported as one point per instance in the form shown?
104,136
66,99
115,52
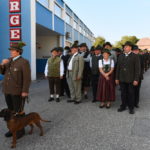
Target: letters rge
15,20
14,6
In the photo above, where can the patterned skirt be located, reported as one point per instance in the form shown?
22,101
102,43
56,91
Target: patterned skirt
106,89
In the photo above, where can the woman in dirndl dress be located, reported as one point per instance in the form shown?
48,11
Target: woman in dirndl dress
106,84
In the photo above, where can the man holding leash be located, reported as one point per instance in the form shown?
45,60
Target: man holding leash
17,79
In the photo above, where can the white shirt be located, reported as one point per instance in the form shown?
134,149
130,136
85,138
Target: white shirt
61,68
126,54
106,63
70,63
15,58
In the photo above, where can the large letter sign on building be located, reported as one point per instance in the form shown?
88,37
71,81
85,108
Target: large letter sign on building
15,20
15,34
14,6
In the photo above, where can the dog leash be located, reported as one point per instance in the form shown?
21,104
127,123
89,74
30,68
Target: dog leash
23,99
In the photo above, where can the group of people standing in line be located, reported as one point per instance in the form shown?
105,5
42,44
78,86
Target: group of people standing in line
74,69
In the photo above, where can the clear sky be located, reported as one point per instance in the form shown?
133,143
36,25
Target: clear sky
113,19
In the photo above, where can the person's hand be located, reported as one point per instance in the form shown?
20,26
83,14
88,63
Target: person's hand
107,78
24,94
5,61
117,82
106,74
135,83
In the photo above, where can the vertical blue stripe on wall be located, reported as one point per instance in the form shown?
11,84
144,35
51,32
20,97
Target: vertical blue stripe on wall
4,29
59,25
43,16
26,28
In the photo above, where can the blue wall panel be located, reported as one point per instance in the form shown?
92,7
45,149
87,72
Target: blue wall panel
1,77
44,2
4,28
41,63
60,2
26,28
43,16
59,25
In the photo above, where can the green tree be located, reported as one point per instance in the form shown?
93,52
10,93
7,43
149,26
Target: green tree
99,41
124,39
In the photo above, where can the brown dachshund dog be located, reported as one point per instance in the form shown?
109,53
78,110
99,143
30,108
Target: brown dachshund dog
16,123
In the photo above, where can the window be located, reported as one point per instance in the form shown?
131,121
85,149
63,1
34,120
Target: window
80,29
83,32
44,2
68,19
75,25
58,11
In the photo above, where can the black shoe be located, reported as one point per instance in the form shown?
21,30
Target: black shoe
121,109
20,133
108,106
8,134
131,111
70,101
77,102
57,100
101,106
137,106
85,96
94,101
50,99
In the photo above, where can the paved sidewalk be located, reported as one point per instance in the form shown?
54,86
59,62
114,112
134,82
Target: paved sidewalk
83,126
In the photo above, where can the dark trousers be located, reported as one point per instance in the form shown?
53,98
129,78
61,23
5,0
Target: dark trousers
64,87
54,84
14,102
127,95
94,81
137,94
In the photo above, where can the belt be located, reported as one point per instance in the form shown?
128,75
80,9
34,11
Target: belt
70,70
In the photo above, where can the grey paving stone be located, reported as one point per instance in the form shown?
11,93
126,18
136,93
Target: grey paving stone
141,127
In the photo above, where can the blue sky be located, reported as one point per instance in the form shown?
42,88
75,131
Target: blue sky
113,19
